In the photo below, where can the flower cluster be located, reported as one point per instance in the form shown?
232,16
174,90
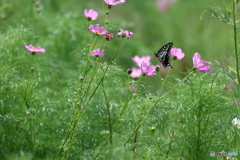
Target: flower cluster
123,33
100,30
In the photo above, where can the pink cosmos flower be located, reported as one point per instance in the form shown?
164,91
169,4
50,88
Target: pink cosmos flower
135,72
97,29
90,14
113,3
201,66
139,60
177,53
145,68
123,33
163,5
98,53
148,70
109,36
34,50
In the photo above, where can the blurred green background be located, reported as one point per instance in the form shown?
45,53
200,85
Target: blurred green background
60,27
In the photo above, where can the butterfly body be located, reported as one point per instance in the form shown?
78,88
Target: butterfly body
163,54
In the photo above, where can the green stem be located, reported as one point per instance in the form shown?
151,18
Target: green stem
70,135
165,79
75,118
104,73
94,44
119,120
171,137
135,140
28,86
235,39
94,72
109,114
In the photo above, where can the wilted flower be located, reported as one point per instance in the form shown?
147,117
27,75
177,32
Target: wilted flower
148,70
201,66
97,52
109,36
34,50
90,14
177,53
138,60
97,29
123,33
113,3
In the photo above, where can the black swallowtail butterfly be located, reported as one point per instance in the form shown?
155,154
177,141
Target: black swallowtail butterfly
163,56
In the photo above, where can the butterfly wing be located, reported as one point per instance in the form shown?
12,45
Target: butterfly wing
163,54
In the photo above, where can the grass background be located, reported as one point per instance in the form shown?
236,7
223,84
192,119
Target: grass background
184,125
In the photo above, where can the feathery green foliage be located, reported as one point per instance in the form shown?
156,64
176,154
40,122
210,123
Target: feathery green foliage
68,104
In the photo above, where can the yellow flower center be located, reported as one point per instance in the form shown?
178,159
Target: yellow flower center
97,31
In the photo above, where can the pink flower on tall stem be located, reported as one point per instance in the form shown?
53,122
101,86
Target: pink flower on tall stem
148,70
97,29
201,66
90,14
34,50
113,3
138,60
177,53
98,53
123,33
